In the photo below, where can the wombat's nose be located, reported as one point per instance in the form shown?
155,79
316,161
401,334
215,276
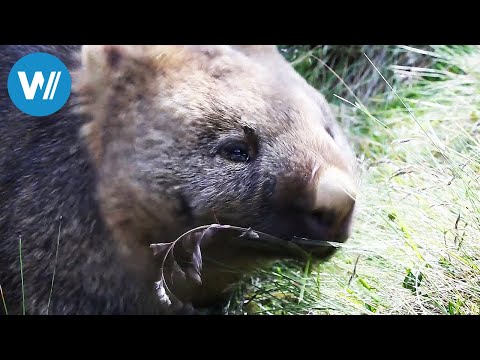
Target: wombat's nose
335,198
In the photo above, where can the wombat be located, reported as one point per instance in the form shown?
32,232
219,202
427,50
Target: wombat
156,140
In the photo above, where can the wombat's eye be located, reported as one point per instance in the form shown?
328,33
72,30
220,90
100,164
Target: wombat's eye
235,151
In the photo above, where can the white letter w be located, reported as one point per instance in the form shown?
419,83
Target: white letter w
30,89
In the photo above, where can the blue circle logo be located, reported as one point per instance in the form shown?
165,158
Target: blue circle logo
39,84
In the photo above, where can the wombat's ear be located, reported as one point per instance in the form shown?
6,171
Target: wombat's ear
100,56
101,60
104,67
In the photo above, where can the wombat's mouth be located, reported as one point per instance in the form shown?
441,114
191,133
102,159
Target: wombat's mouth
269,244
305,233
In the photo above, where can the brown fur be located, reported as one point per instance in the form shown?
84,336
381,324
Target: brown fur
154,119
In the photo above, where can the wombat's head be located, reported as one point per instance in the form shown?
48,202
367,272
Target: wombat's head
184,136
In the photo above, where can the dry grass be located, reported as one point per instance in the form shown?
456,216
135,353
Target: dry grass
416,244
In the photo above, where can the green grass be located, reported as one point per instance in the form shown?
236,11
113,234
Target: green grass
415,248
21,273
3,301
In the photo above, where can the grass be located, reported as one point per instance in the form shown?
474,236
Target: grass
21,273
3,301
415,248
55,266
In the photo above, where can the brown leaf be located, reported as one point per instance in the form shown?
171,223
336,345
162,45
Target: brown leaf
249,233
161,248
192,246
162,293
176,269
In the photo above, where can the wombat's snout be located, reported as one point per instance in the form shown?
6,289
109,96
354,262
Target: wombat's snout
335,194
321,209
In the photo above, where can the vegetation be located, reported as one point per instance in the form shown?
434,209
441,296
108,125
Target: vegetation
413,115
